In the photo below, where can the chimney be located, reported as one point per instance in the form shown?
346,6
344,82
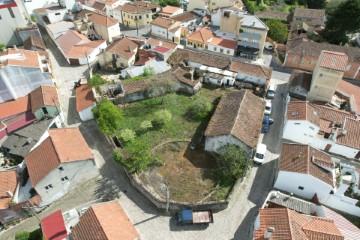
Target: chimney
129,48
253,24
160,43
269,232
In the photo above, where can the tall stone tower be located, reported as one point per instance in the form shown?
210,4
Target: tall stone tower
327,74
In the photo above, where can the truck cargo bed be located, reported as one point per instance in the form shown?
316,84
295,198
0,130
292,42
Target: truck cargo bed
202,217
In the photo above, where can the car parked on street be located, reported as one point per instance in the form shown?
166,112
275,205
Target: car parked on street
260,154
270,92
267,108
266,124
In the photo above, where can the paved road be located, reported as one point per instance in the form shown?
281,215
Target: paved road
233,223
143,32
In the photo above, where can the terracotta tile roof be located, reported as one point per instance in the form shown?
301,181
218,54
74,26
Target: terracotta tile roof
110,2
175,29
13,107
251,69
163,22
186,16
290,225
351,137
33,41
170,9
53,226
121,47
333,60
81,50
44,96
185,77
161,49
309,13
184,55
239,113
84,97
226,43
160,42
148,4
63,145
202,35
19,57
102,20
135,7
306,48
299,158
353,92
106,221
100,6
301,110
8,183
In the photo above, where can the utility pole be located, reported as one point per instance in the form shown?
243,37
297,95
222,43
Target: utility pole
166,188
87,59
31,209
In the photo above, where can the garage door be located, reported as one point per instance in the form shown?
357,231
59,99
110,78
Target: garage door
74,61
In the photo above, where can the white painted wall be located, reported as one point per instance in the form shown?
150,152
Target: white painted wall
249,78
159,31
78,172
174,34
56,16
300,131
215,48
216,17
290,182
87,114
212,144
342,203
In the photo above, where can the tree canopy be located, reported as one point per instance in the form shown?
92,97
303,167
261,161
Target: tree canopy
316,4
277,30
108,116
343,20
232,162
164,3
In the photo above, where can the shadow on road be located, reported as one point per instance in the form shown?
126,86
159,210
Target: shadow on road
72,116
176,228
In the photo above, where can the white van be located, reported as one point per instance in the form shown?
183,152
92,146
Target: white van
260,154
270,92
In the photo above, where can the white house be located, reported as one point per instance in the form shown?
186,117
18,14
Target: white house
85,102
32,5
78,49
217,76
13,16
238,114
325,128
252,73
306,172
161,26
60,163
187,19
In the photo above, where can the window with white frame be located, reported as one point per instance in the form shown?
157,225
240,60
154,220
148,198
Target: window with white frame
64,179
48,187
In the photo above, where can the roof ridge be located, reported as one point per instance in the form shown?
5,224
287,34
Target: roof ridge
238,111
52,142
289,222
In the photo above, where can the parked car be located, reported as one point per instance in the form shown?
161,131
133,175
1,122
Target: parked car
189,217
260,154
270,92
266,124
267,108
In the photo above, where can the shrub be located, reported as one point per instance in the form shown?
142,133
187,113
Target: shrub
118,157
162,117
200,109
145,125
108,116
127,135
149,71
96,80
22,236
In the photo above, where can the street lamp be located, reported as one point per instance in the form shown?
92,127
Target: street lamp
165,187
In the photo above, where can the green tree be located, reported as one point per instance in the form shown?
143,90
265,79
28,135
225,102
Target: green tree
22,236
127,135
108,116
232,162
149,71
343,20
277,30
164,3
162,117
200,109
145,125
316,4
2,47
96,80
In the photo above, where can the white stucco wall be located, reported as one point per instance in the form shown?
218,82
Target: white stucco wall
175,35
212,144
249,78
56,16
290,182
216,48
159,31
87,114
216,17
342,203
78,172
300,131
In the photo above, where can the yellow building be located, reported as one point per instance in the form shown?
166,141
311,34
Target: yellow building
135,15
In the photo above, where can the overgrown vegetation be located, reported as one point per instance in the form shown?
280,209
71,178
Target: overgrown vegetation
277,30
34,235
233,164
149,71
200,110
96,80
2,47
108,116
164,3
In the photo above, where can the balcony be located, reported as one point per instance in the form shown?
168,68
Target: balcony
248,44
254,36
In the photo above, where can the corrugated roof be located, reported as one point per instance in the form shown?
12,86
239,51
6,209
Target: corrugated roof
53,226
106,221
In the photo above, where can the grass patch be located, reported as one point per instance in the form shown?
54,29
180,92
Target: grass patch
134,78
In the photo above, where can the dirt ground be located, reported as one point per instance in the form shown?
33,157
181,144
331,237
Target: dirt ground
190,174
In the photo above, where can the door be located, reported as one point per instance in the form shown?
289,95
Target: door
327,148
228,82
74,61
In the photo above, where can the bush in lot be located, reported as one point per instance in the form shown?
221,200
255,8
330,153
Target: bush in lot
108,116
200,109
162,117
127,135
145,125
22,236
96,80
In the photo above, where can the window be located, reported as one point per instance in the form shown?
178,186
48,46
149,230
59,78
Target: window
206,47
215,48
228,51
297,123
302,60
139,17
199,44
61,169
221,50
11,12
48,187
45,111
0,17
301,187
135,17
57,14
321,74
124,14
64,179
312,128
311,61
147,15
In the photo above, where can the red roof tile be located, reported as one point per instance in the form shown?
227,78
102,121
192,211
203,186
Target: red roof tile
333,60
251,69
170,9
163,22
14,107
102,20
161,49
84,97
62,145
301,110
20,57
53,226
121,47
105,221
8,183
202,35
353,92
160,42
44,96
223,42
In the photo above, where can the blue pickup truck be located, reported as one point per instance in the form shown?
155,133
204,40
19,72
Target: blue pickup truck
189,217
